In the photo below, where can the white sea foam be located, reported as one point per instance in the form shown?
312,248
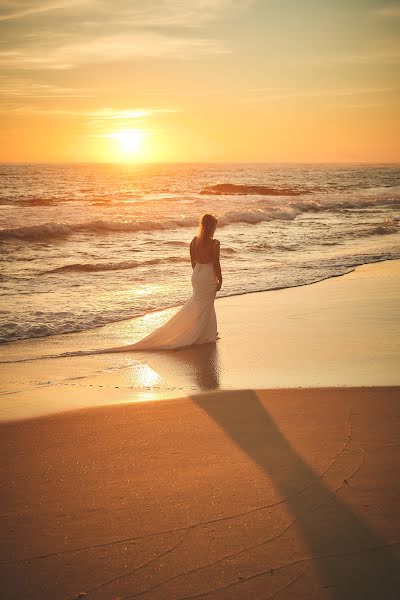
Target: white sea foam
273,211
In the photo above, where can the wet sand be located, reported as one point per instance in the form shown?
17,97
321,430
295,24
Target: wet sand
343,331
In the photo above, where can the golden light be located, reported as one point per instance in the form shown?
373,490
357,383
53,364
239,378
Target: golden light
147,377
129,143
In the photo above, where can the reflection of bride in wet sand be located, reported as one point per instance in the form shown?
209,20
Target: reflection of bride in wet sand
195,323
190,369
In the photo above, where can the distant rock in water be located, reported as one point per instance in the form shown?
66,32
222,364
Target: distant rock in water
262,190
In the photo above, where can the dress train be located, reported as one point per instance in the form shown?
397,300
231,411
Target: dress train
194,323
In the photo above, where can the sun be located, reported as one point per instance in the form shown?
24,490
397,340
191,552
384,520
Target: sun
130,142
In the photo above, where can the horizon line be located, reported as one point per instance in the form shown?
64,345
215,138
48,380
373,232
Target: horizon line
199,162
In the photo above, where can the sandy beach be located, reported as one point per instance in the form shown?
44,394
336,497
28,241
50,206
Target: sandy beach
266,467
199,300
246,494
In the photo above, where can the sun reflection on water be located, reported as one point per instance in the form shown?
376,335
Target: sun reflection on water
147,377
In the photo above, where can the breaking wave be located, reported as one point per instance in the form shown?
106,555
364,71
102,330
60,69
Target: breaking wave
47,231
271,210
118,266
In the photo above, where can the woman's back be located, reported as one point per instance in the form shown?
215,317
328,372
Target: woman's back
203,250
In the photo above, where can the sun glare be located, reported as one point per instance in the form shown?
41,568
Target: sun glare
129,143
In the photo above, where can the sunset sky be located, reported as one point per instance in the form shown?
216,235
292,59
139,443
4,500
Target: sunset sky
199,80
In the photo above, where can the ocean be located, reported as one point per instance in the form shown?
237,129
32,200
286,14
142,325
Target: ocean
83,245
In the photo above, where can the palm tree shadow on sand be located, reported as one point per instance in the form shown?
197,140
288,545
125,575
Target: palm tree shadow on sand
352,561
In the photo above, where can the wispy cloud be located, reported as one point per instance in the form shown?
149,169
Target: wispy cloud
16,88
102,120
385,52
94,31
109,49
110,114
96,122
177,13
358,106
391,10
94,116
140,13
272,94
15,9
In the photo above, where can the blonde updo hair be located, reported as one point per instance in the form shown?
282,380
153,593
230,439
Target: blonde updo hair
208,225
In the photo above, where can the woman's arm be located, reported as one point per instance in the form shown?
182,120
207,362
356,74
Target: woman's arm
192,253
217,264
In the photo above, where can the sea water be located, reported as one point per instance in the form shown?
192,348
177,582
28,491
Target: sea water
83,245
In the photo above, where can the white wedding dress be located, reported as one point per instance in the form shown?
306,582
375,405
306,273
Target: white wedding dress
194,323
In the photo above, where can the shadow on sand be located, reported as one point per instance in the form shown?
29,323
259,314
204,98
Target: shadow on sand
352,561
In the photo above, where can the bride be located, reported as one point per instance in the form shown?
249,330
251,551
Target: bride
195,322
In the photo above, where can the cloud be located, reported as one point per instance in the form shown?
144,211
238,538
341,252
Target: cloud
15,88
384,51
17,10
93,31
101,120
96,123
359,106
390,57
103,114
109,49
107,114
265,94
140,13
392,10
177,13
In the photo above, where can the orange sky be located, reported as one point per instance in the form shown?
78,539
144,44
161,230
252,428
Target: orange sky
199,80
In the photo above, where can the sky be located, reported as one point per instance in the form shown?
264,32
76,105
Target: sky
200,80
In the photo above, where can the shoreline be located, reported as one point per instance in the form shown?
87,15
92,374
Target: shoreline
7,343
343,331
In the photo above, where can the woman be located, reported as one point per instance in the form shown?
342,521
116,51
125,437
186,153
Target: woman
195,322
